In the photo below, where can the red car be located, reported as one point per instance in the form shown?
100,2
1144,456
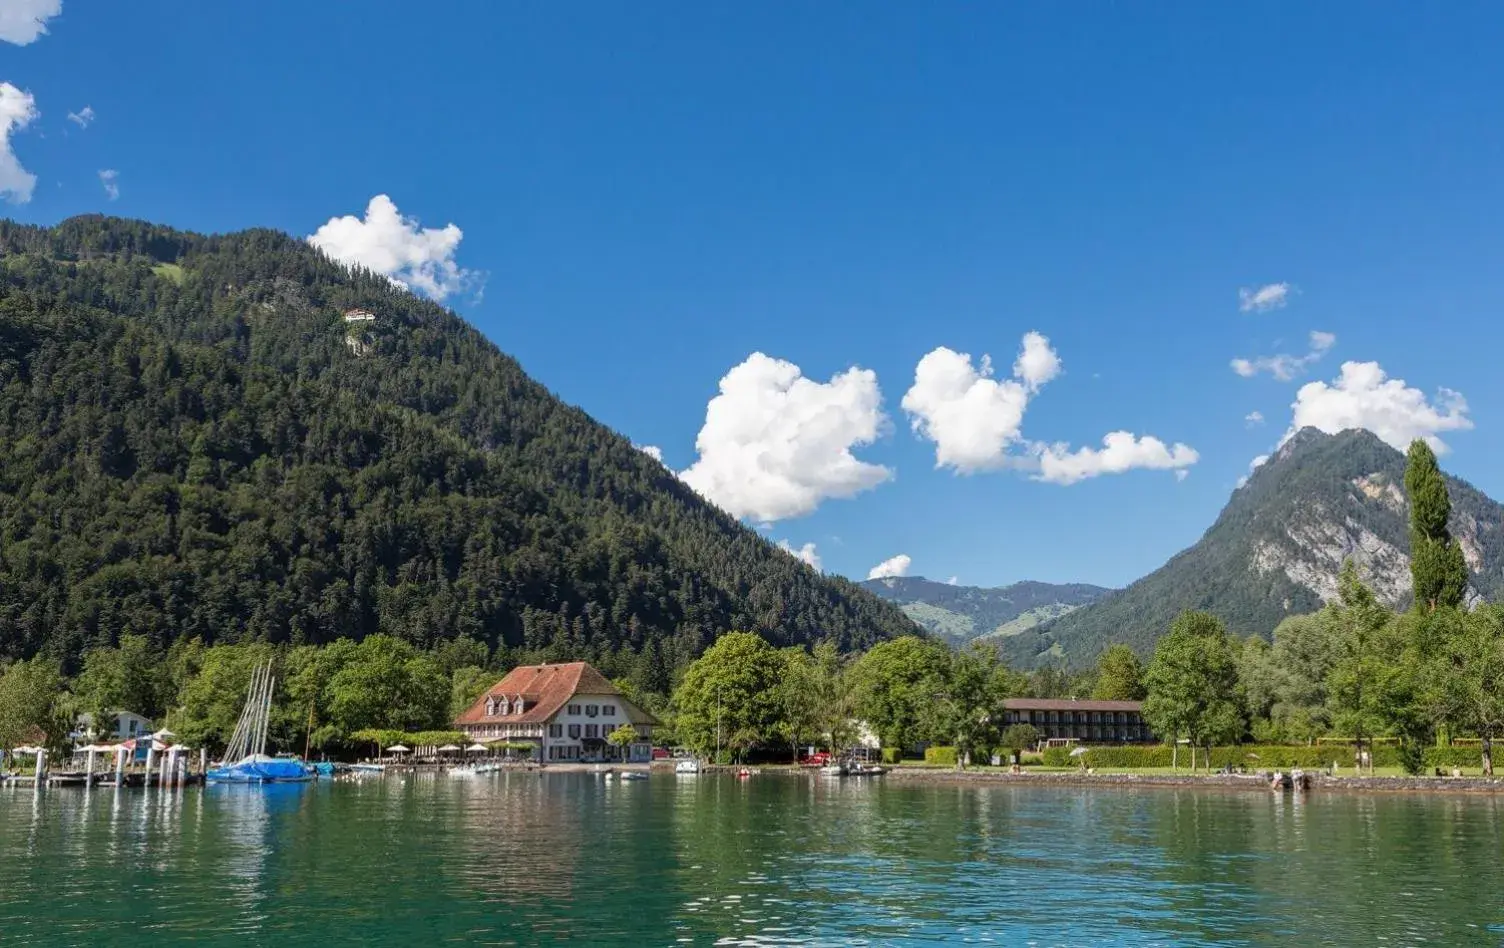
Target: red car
660,753
819,759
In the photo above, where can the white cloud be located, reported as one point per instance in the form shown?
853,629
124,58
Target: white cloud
17,110
1363,396
971,417
22,21
83,118
1284,366
1253,419
651,450
806,553
396,247
1182,474
110,178
895,566
776,444
1121,451
953,581
1261,300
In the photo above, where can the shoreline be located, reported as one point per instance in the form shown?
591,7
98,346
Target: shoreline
1319,782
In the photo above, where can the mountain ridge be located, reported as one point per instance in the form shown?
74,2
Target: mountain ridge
1276,547
961,614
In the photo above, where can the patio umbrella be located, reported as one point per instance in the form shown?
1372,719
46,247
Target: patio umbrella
448,749
1079,751
398,749
164,735
476,749
28,749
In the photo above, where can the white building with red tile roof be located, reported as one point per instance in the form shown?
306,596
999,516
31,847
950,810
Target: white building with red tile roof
566,711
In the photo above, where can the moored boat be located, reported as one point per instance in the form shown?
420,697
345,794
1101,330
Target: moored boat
245,759
687,765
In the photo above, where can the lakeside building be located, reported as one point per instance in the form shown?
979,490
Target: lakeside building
565,711
1116,722
126,726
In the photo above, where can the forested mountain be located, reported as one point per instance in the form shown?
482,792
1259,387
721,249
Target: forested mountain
959,614
1278,546
195,442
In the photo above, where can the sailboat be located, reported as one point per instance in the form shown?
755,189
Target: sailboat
245,759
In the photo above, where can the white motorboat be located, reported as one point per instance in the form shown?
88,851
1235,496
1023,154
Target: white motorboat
687,766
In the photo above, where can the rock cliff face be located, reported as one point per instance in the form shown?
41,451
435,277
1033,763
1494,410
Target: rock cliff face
1277,547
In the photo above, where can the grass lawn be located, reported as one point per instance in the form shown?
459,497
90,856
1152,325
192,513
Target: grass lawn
170,271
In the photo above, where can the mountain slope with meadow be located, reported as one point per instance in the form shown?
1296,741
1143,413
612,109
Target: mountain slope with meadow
959,614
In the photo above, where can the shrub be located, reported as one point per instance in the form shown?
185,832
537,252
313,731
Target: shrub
1412,758
1057,757
892,755
940,756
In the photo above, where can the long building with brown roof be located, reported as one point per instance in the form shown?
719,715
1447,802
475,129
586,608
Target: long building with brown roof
566,711
1098,722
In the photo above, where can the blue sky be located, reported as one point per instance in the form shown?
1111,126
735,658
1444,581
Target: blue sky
645,201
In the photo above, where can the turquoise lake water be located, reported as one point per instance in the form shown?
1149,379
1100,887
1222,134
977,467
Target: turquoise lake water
529,859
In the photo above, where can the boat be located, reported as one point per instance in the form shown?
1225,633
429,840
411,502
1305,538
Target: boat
632,775
688,765
833,770
368,768
245,759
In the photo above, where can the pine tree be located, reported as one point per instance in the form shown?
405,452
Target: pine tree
1437,567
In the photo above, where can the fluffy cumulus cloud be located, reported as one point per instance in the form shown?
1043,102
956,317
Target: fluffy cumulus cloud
17,110
1363,396
110,179
1263,298
776,444
24,21
83,118
972,418
1253,419
1284,366
1121,451
652,451
806,553
385,242
894,566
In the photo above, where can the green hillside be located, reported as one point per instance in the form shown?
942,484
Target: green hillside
194,443
959,614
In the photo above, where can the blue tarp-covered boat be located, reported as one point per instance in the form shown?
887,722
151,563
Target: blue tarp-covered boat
261,769
245,759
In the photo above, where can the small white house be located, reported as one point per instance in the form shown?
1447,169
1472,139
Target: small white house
128,725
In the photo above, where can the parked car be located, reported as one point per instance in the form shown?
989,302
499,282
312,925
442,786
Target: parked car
660,753
818,759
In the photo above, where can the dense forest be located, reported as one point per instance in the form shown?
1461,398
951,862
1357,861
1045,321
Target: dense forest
195,444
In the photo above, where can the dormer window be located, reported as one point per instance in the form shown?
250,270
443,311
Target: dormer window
503,707
490,706
519,705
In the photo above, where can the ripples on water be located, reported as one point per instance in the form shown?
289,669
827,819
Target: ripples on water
528,859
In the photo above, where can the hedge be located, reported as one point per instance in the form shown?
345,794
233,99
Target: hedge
1261,757
1058,757
940,756
892,755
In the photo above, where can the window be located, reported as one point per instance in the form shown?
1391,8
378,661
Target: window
608,710
574,709
590,731
574,732
556,730
591,710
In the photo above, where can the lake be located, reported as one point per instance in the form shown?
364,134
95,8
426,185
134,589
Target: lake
530,859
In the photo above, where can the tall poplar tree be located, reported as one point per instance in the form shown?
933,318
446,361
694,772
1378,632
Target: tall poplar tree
1437,568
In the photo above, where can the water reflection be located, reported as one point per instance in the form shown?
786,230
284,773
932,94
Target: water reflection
536,859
